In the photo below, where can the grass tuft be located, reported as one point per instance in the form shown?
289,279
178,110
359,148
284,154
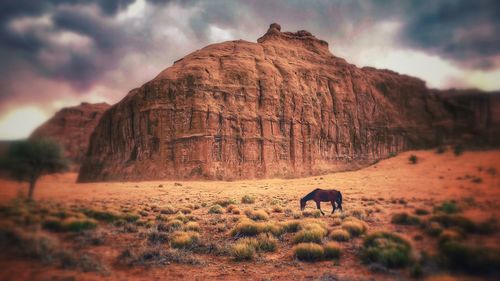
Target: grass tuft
387,249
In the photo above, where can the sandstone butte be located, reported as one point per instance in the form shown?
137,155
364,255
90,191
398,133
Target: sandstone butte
71,127
281,107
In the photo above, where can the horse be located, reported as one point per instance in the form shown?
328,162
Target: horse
321,195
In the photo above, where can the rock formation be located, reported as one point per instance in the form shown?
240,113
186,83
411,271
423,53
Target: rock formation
281,107
71,127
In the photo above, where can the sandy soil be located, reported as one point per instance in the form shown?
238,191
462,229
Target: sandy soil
390,186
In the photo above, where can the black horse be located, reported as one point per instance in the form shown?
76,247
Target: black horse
321,195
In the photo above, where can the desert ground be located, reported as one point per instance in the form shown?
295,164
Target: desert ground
131,230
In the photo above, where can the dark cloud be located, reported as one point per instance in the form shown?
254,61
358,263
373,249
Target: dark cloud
85,41
467,32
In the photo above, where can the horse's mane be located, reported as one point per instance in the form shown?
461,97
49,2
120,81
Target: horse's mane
310,194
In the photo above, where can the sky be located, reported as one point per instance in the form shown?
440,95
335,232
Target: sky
57,53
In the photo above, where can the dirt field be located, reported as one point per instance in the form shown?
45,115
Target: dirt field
371,195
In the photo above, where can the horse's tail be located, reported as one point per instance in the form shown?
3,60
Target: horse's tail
339,200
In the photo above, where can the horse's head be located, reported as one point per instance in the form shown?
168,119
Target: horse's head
302,204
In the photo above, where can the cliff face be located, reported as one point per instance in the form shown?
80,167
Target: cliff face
71,127
284,106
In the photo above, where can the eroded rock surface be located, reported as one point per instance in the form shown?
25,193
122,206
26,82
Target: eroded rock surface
282,107
71,127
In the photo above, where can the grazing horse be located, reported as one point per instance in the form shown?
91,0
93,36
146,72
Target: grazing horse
321,195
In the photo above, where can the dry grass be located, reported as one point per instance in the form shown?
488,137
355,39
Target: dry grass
340,235
181,239
308,252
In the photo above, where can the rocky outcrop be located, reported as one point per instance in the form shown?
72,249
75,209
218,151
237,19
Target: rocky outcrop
281,107
71,127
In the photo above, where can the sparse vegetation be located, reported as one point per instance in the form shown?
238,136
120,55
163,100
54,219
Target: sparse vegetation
405,219
183,239
309,235
243,251
421,212
458,150
354,227
69,226
413,159
308,252
340,235
387,249
332,250
215,209
258,215
460,256
448,207
247,199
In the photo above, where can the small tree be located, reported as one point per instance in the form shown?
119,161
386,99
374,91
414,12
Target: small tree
30,159
413,159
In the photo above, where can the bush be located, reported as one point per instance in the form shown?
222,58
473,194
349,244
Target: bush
230,208
70,226
421,212
246,228
173,225
192,226
340,235
157,237
448,207
225,202
473,259
168,210
259,215
413,159
278,209
247,199
455,221
266,243
183,239
215,209
354,227
309,235
242,251
387,249
308,252
101,215
291,226
433,229
332,250
404,219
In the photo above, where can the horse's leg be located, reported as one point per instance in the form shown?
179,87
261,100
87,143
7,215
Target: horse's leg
319,207
333,206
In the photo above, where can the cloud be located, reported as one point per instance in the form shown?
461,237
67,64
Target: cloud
58,52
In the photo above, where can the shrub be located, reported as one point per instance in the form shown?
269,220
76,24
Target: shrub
308,252
273,228
332,250
192,226
225,202
267,243
413,159
258,215
70,226
246,228
231,207
157,237
386,249
186,211
404,219
421,212
416,270
173,225
278,209
433,229
215,209
473,259
242,251
168,210
291,226
449,235
354,227
340,235
183,239
314,214
456,221
448,207
247,199
296,215
101,215
309,235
